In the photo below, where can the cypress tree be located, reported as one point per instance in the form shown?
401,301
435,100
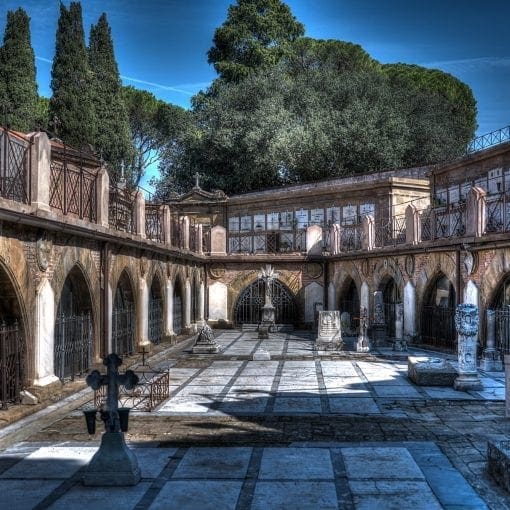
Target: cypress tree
113,137
18,86
71,106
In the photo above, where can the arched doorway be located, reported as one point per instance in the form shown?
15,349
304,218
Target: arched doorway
178,321
249,304
155,312
391,297
349,302
12,343
501,307
438,314
74,336
123,317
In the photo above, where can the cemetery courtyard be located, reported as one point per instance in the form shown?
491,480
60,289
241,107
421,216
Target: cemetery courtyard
305,429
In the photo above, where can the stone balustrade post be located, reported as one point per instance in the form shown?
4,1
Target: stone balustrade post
466,323
413,225
200,235
476,212
139,214
334,239
218,240
40,172
368,237
314,240
103,197
185,232
166,225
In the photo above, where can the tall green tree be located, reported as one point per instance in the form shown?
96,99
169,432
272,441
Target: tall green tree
18,86
255,35
113,136
154,125
71,108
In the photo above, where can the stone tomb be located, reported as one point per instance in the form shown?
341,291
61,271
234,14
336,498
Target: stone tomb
329,334
426,371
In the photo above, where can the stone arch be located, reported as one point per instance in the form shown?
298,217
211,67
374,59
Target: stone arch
437,313
155,308
13,329
179,303
248,305
74,331
124,314
493,277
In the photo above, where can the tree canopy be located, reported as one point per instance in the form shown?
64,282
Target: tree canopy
71,107
18,86
113,135
254,36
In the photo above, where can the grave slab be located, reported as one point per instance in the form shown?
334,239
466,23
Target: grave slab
427,371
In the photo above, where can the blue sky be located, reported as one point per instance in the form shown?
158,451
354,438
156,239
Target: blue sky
161,45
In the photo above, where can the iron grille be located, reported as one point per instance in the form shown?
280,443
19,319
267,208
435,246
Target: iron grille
350,238
502,316
489,139
73,345
123,330
177,316
450,222
11,363
73,190
426,219
121,215
437,327
155,320
153,227
249,304
14,168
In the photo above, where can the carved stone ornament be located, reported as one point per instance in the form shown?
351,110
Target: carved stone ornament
409,264
313,270
44,248
144,265
466,319
470,262
365,267
217,271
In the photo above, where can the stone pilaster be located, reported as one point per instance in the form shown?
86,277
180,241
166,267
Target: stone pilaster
103,197
140,214
40,172
166,225
185,232
368,237
413,225
476,208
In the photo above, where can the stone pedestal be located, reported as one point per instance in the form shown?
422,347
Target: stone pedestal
329,333
267,322
491,360
206,344
363,343
426,371
466,323
113,465
400,344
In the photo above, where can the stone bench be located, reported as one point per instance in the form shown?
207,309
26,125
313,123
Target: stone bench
428,371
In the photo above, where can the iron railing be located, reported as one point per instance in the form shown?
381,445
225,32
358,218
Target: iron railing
14,167
73,345
152,389
73,190
123,330
11,363
121,212
350,237
489,139
153,223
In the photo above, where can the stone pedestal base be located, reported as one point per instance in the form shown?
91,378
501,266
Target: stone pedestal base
363,344
264,329
113,465
465,382
205,348
498,462
426,371
378,333
400,345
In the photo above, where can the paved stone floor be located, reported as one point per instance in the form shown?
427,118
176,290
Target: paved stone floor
305,429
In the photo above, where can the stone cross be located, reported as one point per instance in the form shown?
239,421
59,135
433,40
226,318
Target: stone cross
268,275
112,380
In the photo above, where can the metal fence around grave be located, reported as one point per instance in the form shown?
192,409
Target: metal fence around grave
11,363
152,389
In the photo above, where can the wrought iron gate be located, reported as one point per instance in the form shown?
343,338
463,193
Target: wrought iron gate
502,316
12,358
177,321
249,304
123,330
73,345
155,320
438,328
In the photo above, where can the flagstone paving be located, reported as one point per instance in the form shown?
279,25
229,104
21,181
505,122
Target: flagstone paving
305,429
